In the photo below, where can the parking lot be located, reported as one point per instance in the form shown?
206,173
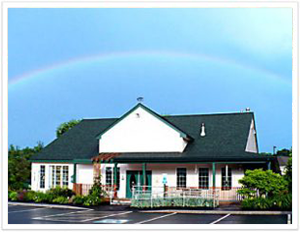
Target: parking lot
117,215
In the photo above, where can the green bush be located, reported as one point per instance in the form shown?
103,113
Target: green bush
29,196
278,202
272,189
78,200
13,196
61,200
265,182
92,200
58,195
60,192
21,195
40,197
171,202
282,202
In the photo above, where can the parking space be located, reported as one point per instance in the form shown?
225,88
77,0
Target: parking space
26,214
42,215
254,219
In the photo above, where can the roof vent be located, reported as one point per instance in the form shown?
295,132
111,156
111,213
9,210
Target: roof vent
202,134
247,109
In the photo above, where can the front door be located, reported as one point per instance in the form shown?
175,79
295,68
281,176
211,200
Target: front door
134,178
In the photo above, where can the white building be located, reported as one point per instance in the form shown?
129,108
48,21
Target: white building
206,151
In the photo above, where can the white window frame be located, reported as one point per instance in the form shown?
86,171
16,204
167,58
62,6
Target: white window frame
53,172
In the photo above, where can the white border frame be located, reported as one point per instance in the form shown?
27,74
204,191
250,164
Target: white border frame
148,4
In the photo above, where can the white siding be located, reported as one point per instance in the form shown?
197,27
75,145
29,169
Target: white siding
251,142
84,174
145,133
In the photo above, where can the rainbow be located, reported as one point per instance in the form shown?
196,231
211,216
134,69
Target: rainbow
104,57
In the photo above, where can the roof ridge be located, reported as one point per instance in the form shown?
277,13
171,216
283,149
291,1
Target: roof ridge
176,115
208,114
90,119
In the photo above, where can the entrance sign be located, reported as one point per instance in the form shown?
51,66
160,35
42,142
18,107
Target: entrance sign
165,179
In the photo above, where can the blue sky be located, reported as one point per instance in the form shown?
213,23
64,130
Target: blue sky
90,63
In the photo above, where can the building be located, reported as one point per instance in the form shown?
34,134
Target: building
282,162
201,151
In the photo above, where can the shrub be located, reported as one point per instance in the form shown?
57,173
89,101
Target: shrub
288,173
61,200
13,196
58,192
21,195
278,202
78,200
282,202
40,197
92,200
29,196
258,203
266,182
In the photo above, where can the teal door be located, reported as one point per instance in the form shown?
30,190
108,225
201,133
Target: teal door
135,178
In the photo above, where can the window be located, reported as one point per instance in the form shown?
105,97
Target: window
203,178
226,179
65,176
181,177
108,176
42,176
59,176
53,176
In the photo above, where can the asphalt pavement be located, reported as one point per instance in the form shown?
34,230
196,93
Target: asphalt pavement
125,215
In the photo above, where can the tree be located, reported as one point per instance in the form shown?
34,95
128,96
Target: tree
284,152
288,173
19,171
267,183
64,127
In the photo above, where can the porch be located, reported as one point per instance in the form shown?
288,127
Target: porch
185,180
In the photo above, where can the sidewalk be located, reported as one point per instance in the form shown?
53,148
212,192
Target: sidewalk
235,212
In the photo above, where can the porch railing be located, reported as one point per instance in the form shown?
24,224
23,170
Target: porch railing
83,189
230,195
151,197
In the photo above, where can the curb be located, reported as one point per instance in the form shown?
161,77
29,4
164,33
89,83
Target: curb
220,212
47,205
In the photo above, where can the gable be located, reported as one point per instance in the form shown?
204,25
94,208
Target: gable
142,130
251,142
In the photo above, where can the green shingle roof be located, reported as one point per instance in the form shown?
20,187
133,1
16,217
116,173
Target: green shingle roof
225,140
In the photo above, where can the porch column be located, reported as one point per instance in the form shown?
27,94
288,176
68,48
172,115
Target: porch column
115,180
214,183
144,176
214,175
74,176
96,171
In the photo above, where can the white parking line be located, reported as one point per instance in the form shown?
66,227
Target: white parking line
116,214
152,219
17,211
60,214
220,219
